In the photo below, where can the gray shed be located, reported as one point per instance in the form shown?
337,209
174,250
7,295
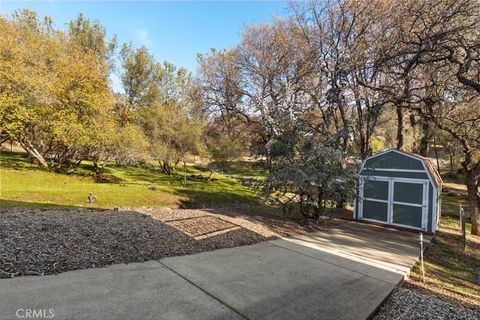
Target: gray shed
400,189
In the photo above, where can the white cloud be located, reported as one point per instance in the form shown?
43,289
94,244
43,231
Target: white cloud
143,36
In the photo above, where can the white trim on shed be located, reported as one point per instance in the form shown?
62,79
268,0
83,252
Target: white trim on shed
430,206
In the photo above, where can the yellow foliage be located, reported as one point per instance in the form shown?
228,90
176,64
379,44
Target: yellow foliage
377,144
51,89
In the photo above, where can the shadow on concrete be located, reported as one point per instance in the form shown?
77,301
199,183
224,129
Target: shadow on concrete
295,279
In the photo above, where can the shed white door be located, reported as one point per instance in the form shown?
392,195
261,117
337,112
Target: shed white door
409,203
396,201
375,198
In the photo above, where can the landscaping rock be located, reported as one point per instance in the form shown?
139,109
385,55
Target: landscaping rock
412,304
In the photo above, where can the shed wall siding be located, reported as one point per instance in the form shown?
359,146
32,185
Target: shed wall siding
395,162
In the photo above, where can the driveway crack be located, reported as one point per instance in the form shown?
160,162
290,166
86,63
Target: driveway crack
205,291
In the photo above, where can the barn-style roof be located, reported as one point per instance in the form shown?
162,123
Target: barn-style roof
432,171
437,179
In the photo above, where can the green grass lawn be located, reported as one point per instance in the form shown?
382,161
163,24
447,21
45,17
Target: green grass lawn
450,204
25,184
244,169
450,271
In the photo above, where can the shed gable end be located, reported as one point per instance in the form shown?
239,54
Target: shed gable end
393,160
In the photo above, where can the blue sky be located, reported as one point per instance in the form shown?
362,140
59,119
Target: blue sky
173,31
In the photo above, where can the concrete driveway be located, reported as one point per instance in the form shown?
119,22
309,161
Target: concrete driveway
342,273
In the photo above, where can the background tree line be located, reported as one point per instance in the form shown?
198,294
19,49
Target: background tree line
57,102
338,80
309,95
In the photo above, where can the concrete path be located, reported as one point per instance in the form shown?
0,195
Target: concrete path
343,273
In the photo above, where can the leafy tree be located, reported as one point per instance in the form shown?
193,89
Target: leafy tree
317,177
173,135
91,36
223,146
306,163
55,97
140,77
157,98
24,94
229,129
130,146
220,83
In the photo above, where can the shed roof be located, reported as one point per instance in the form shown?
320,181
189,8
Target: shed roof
433,172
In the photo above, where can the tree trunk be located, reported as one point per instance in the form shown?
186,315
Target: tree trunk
415,134
362,132
364,146
400,138
73,165
474,199
33,152
166,167
99,171
436,152
184,171
452,169
424,140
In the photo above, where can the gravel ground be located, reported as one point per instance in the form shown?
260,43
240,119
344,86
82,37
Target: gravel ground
412,304
49,241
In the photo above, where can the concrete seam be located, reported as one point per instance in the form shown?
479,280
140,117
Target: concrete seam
333,264
205,291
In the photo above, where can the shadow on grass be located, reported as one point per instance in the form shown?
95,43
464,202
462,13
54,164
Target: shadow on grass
449,267
146,174
450,204
242,169
17,161
10,204
21,162
208,199
113,173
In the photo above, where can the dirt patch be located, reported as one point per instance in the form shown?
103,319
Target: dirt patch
171,215
263,224
202,226
455,187
49,241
